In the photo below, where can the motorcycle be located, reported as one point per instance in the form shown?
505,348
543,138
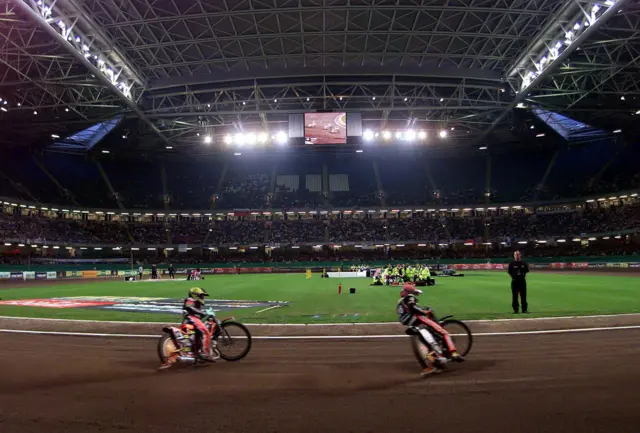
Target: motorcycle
425,340
178,344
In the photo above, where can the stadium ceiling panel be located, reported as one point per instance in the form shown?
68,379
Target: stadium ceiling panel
183,67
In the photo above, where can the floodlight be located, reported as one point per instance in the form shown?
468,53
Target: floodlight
239,139
281,137
368,135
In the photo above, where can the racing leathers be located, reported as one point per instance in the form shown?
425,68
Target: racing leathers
412,315
193,309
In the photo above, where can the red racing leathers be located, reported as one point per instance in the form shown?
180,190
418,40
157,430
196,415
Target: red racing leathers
411,314
193,312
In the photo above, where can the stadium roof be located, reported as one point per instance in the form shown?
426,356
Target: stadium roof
179,70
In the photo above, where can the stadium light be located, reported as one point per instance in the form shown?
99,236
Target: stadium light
617,131
7,244
410,135
359,151
105,151
386,135
422,135
207,139
483,148
399,135
237,154
263,137
169,147
35,113
561,240
3,109
540,135
239,139
443,134
281,137
368,135
251,139
228,139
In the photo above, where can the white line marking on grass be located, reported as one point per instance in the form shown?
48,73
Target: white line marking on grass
322,337
515,319
268,308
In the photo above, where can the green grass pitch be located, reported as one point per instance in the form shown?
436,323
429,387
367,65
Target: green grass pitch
478,295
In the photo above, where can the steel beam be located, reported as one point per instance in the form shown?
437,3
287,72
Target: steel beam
39,20
105,44
523,93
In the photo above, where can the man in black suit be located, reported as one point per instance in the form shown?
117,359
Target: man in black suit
518,271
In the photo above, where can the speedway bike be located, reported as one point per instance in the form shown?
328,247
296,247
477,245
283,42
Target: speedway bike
425,340
230,340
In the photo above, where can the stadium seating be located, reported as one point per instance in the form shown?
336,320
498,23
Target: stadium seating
516,225
320,180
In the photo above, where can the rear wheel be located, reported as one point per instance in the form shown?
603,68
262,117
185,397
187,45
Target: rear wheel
233,341
420,350
167,350
461,335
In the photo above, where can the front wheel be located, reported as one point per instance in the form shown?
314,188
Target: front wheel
460,333
233,341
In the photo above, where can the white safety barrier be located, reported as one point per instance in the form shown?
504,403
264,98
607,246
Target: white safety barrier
360,274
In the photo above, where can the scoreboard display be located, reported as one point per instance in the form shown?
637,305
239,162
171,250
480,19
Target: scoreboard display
325,128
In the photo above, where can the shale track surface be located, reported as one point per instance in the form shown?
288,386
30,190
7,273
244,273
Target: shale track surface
580,382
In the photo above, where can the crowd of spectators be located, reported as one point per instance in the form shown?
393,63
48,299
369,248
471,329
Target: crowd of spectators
503,228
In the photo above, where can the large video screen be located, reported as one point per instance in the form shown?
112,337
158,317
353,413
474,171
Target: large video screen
325,128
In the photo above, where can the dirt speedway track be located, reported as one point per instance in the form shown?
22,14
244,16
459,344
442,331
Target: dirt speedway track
531,383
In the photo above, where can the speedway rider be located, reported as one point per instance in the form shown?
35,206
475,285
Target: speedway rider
411,314
193,310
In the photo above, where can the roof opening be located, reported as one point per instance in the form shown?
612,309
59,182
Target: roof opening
84,140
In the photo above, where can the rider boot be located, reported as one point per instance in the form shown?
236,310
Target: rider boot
205,353
431,367
456,356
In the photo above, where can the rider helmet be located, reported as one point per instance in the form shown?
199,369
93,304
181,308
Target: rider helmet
409,289
197,292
